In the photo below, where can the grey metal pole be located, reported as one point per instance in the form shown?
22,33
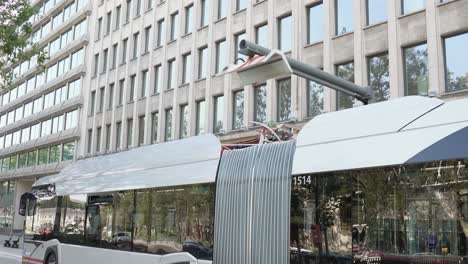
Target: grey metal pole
312,73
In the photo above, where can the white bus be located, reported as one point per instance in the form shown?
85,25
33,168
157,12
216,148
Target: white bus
384,183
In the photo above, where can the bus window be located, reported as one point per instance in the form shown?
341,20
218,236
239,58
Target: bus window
404,214
40,224
72,219
176,219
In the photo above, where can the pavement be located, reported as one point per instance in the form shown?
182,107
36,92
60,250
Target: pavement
9,255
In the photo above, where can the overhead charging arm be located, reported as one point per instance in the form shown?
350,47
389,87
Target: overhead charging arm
312,73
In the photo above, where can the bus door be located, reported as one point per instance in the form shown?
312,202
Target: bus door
99,218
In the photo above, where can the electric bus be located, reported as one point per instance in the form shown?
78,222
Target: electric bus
382,183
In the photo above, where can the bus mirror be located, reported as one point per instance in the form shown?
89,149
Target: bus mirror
27,204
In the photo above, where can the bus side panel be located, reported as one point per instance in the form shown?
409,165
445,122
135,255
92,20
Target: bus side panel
34,251
71,254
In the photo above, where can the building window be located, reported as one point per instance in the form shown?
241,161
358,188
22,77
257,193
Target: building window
343,16
161,33
123,58
171,76
456,69
117,17
315,99
376,11
261,35
121,91
200,125
379,77
410,6
241,4
32,158
138,8
99,29
101,99
43,156
149,4
118,134
186,68
136,36
114,55
105,55
221,56
98,139
128,11
218,114
147,39
168,127
204,15
315,23
92,102
157,79
284,99
68,151
285,33
416,71
96,65
222,8
144,77
188,19
131,95
108,137
238,107
174,26
239,58
184,121
154,127
90,141
343,101
129,133
141,130
202,62
109,22
110,97
260,103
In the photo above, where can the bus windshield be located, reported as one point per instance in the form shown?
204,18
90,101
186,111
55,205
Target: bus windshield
404,214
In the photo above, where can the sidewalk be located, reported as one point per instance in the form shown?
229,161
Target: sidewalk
10,252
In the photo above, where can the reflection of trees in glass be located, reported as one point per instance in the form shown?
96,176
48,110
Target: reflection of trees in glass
238,110
284,99
184,124
219,111
403,210
314,99
378,77
416,72
260,94
168,124
345,71
456,83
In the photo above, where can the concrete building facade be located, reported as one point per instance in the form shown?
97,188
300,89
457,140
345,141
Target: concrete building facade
156,63
40,112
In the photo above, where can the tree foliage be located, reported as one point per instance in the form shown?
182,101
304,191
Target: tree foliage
15,44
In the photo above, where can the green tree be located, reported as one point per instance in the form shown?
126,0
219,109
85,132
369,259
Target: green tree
379,77
15,32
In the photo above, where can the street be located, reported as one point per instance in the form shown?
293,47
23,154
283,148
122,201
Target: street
8,258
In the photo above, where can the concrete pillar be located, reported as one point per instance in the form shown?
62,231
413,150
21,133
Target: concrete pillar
21,187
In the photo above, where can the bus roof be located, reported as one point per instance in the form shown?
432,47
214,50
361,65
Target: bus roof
406,130
182,162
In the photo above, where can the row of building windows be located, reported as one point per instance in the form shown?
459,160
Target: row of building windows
41,129
415,72
37,81
42,156
57,20
44,102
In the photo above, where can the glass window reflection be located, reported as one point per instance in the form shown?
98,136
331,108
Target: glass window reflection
379,77
377,11
416,70
344,16
456,67
315,23
410,6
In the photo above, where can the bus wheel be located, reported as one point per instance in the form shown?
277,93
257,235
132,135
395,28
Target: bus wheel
51,259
